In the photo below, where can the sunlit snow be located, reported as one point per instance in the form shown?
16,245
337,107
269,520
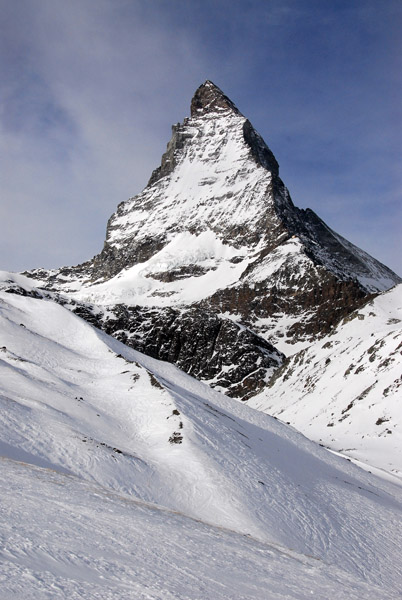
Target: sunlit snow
91,430
345,390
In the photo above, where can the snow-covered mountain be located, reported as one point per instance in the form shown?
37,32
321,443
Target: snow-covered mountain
213,213
215,245
345,391
124,477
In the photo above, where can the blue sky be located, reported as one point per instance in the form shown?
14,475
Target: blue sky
90,89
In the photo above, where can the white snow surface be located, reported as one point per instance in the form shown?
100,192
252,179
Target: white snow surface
96,502
213,186
139,285
345,390
66,538
215,189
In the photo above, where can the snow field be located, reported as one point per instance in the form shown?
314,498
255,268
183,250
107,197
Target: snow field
139,285
344,390
76,400
63,537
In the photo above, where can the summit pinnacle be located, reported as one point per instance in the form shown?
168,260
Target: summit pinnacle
209,98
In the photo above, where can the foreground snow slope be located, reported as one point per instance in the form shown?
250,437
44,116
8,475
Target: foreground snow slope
77,401
345,390
67,538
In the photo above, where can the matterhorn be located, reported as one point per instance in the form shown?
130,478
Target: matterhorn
212,267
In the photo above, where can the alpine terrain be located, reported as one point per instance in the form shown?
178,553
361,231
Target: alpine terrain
212,252
134,462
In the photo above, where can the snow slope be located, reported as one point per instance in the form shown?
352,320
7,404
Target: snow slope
142,284
345,390
66,538
107,426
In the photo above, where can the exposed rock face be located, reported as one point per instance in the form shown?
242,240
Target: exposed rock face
259,150
227,355
208,98
169,158
317,308
215,238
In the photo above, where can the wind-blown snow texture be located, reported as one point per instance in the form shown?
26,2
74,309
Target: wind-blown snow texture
109,454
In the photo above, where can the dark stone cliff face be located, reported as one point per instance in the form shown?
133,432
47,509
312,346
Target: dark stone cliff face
259,150
169,158
227,355
318,307
200,343
209,98
112,260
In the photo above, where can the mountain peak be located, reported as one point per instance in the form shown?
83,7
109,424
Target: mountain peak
209,98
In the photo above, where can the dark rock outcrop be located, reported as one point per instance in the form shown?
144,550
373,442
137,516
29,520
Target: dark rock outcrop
227,355
259,150
209,98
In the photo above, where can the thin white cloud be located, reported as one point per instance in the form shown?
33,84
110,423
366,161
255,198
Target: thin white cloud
103,79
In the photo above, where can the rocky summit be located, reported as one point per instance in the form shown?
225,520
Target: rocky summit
212,266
